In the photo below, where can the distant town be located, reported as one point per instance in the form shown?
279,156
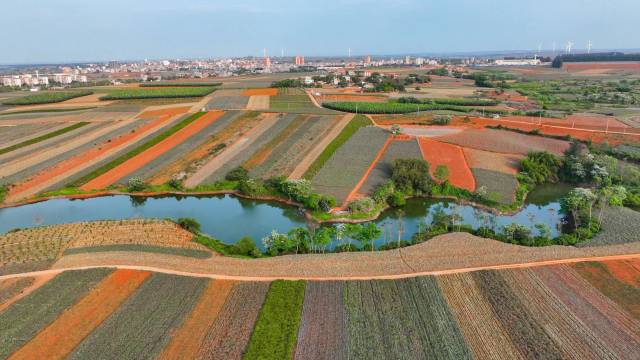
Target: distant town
35,77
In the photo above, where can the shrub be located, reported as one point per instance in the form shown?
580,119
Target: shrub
540,167
411,176
175,183
237,174
441,120
250,187
363,205
189,224
136,184
246,246
396,199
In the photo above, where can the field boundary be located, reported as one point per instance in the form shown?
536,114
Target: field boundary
330,278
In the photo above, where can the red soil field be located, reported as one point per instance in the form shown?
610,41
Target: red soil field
58,339
188,339
437,153
366,174
254,92
576,121
632,134
624,271
78,160
600,66
153,152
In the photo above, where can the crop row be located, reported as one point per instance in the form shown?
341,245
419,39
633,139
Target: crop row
46,97
25,318
139,93
346,167
43,137
139,149
399,108
582,311
346,133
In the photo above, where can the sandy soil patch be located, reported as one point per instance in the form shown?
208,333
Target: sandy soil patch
259,102
428,131
505,163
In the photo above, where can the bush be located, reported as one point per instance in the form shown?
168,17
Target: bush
441,120
136,184
247,247
189,224
175,183
396,199
250,187
540,167
237,174
411,176
363,205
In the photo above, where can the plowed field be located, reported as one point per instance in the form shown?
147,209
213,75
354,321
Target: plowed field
437,153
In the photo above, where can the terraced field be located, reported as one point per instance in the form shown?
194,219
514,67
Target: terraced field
587,310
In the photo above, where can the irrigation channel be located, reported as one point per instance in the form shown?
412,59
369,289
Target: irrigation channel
229,218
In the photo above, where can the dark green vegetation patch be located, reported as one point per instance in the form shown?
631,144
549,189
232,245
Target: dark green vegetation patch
275,333
46,98
141,93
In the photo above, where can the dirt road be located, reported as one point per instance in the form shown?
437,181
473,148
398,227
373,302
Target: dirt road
446,254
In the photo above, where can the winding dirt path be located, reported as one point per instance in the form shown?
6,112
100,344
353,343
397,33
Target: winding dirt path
48,274
446,254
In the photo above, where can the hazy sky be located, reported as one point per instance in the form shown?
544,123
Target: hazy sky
81,30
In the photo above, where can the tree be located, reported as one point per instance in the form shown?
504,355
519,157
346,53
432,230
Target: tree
322,237
411,176
277,243
136,184
367,233
442,173
300,237
576,201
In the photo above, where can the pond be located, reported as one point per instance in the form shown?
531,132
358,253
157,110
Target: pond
229,218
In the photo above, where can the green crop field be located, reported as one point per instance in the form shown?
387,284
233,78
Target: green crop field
398,108
127,94
46,97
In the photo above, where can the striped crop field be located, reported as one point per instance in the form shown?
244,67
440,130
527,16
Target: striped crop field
587,310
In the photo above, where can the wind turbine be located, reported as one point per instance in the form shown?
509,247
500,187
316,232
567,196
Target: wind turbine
568,47
539,51
589,45
554,48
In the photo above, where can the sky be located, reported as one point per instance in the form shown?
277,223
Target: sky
44,31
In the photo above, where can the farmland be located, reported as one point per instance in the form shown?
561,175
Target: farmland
46,98
580,311
344,169
443,154
152,93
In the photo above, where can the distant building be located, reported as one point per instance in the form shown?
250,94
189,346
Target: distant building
308,80
267,62
299,60
367,60
407,60
518,62
419,61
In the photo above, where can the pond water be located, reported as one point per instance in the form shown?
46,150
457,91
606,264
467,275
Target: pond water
229,218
